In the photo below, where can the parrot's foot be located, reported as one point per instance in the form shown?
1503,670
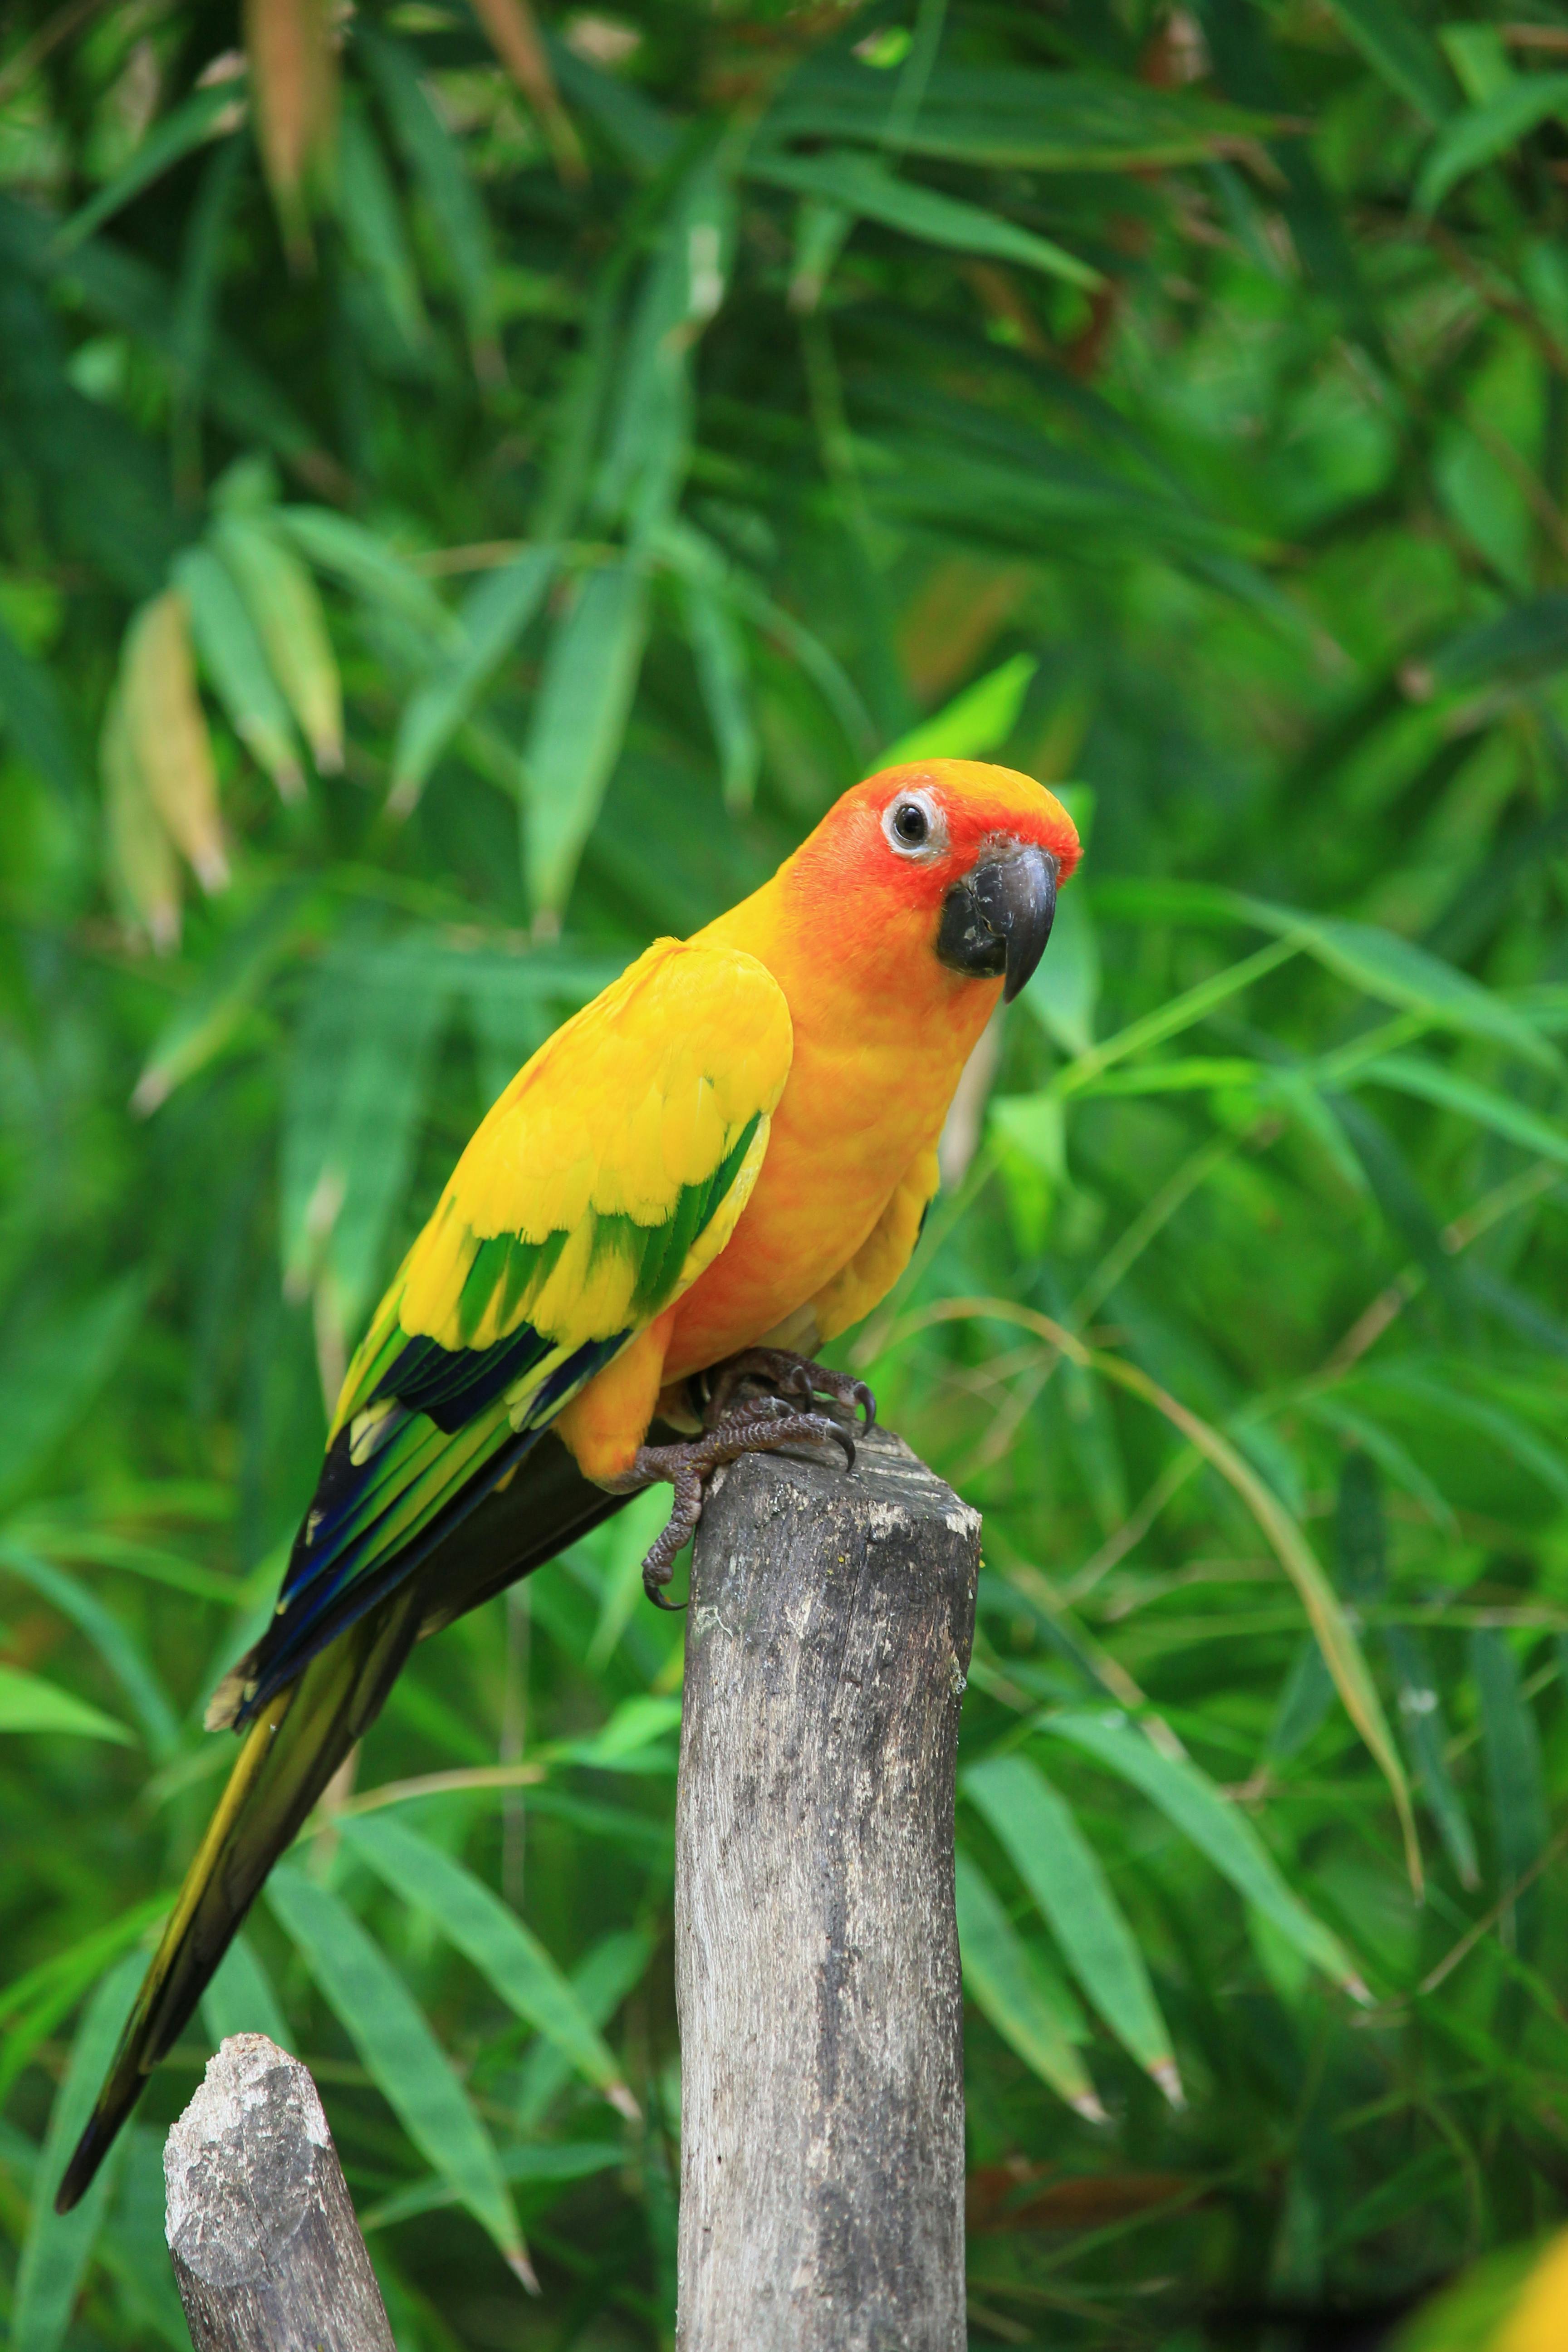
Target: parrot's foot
757,1428
787,1375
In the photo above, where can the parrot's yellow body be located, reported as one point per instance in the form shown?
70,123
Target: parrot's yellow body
729,1150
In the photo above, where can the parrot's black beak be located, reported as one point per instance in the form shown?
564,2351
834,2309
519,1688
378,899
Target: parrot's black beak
996,922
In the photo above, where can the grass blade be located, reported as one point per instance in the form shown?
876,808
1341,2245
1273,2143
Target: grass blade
52,1370
240,1999
32,712
27,1703
862,184
974,722
462,1908
719,651
584,698
600,1983
1034,2013
1427,1734
493,618
1511,1743
58,2246
1188,1798
230,652
1060,1870
201,118
400,2052
282,599
114,1643
1481,134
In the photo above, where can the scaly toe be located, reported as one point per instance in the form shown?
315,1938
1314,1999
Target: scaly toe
761,1427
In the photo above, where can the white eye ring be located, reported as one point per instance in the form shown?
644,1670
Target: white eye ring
914,824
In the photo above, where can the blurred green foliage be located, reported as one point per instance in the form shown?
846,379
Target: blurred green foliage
487,532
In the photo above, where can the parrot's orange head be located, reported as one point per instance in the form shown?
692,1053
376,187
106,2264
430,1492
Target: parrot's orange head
946,858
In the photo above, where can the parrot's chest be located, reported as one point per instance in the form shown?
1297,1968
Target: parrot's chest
847,1130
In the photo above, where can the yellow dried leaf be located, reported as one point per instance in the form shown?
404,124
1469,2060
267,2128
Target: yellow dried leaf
167,730
144,873
294,75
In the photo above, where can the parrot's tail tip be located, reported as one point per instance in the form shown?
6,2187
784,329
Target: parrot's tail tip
90,2150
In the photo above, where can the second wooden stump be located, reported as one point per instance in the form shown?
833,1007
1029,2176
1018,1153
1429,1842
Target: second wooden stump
817,1953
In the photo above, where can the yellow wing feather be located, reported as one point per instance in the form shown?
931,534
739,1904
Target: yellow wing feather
608,1174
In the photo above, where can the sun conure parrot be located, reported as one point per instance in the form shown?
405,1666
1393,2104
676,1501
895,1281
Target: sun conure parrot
712,1168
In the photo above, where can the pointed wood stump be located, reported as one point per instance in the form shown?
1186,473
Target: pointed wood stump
267,2255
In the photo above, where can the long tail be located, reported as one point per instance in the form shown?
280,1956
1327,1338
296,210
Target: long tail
297,1742
290,1753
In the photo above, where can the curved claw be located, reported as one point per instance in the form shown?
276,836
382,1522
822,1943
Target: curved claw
650,1586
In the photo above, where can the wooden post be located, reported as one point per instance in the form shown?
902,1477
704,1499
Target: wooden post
816,1949
266,2252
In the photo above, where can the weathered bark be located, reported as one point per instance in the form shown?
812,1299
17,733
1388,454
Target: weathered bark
817,1953
266,2252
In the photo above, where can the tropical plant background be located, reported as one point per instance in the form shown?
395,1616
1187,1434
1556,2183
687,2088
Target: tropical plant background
473,489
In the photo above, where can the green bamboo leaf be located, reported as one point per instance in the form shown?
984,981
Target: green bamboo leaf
1527,642
719,651
864,185
1012,115
52,1369
372,222
1066,990
974,722
230,652
28,1703
628,1537
579,720
649,442
1512,1742
1396,1460
551,2165
31,711
225,995
280,598
240,1999
1502,1428
1396,47
1059,1868
493,618
114,1643
1188,1798
354,1096
382,578
1033,2011
1421,2185
399,2051
201,118
58,2246
1411,1075
462,1908
31,2006
441,172
1391,969
133,2249
1481,134
601,1983
1426,1735
1304,1700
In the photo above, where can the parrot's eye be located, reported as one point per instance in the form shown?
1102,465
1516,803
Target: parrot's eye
914,822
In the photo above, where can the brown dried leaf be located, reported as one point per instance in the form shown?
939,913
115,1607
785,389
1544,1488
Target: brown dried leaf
294,76
514,37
